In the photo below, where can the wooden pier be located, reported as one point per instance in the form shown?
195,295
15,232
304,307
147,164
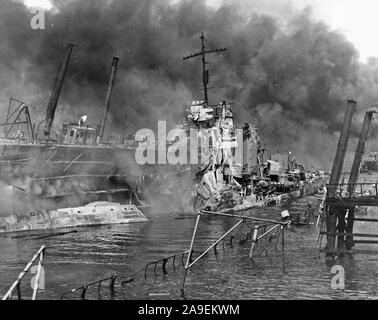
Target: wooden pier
343,198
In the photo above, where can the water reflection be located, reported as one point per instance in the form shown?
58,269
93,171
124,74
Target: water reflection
97,252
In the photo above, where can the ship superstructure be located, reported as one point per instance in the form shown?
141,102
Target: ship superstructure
235,172
77,164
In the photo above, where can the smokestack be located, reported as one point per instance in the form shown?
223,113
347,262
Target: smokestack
57,89
108,96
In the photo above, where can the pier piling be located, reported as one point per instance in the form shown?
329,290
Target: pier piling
331,212
343,198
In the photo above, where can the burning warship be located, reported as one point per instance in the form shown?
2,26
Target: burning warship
230,183
77,176
74,176
236,172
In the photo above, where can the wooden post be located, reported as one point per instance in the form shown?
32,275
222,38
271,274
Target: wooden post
320,237
349,244
340,228
364,135
331,228
337,170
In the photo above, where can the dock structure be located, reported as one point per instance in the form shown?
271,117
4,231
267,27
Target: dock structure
343,198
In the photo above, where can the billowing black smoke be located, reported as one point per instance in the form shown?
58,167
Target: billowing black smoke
291,77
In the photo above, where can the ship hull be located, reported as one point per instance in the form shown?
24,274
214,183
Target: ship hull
97,213
54,176
249,202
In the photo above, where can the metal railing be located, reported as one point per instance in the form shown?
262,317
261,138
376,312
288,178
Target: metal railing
17,284
274,226
164,262
112,279
272,233
346,190
85,287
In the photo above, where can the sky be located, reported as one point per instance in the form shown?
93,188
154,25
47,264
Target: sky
357,20
45,4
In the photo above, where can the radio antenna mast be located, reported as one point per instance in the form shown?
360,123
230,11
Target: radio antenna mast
205,72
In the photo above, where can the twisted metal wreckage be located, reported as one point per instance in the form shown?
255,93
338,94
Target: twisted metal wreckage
270,231
265,233
263,236
225,185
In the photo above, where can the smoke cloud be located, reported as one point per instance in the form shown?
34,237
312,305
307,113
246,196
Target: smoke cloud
284,70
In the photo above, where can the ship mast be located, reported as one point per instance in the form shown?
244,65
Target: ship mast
205,72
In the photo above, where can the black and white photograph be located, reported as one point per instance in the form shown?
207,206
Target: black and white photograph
190,156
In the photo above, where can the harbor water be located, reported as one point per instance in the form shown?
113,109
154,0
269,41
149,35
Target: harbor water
92,253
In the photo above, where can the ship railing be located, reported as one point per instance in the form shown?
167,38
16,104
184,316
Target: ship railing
99,283
16,286
163,263
267,229
112,279
275,227
347,190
